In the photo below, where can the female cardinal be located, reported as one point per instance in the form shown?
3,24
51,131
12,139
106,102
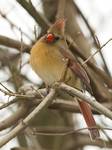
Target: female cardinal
53,62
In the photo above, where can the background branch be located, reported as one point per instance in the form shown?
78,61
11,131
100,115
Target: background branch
33,12
22,125
6,41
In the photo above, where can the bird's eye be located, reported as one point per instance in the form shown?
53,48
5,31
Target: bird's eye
57,38
50,37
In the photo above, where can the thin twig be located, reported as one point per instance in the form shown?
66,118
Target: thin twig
13,25
95,39
91,56
100,72
15,94
8,103
6,88
35,32
49,131
87,24
22,125
21,50
103,59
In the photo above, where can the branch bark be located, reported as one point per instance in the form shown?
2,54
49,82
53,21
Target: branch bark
99,107
23,124
13,119
33,12
6,41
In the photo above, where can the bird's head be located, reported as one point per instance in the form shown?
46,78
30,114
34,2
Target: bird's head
56,32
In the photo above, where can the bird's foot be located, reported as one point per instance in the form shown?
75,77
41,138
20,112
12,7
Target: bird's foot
56,84
47,88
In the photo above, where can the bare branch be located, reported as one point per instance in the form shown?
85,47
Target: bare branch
34,97
22,125
61,9
21,50
101,73
8,103
10,93
13,25
11,120
99,107
91,56
87,24
6,41
33,12
61,131
95,39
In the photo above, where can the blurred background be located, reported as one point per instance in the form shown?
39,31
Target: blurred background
22,22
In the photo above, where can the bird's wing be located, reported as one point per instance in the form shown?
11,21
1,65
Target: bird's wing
76,68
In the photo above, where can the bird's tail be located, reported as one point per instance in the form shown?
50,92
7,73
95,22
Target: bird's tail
90,121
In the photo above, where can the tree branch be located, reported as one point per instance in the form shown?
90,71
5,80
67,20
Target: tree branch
101,73
11,120
33,12
13,25
74,92
95,39
61,9
6,41
22,125
34,97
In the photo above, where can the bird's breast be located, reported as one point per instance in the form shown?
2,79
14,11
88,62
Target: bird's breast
47,62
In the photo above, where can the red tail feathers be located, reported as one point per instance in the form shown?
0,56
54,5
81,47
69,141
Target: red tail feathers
88,116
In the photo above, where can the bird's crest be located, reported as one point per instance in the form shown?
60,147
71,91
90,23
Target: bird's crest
58,27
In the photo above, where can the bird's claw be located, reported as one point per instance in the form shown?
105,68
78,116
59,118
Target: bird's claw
56,84
47,88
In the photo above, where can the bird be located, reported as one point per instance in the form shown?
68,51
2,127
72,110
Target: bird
53,62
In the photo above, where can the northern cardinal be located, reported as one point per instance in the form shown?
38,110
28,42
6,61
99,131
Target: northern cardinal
53,62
